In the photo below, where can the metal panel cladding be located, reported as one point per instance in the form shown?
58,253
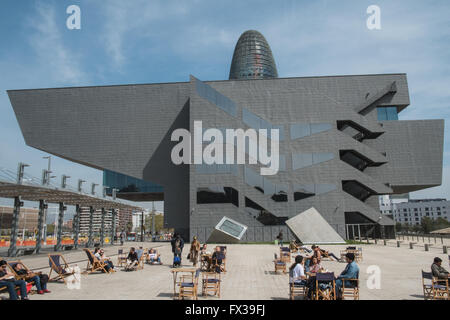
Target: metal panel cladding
252,58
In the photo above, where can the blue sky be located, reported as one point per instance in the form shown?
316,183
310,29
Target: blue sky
145,41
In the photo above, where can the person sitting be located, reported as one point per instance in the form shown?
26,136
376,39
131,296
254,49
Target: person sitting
203,249
314,265
438,271
293,246
153,257
300,246
328,254
316,254
8,280
217,259
105,259
40,279
297,272
132,260
351,271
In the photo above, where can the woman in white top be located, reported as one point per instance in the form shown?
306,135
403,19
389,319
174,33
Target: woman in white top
297,272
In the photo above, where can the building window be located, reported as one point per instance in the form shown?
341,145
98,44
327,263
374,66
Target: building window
207,92
217,194
387,113
302,160
300,130
255,122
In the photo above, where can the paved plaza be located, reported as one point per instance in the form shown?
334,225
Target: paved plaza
250,273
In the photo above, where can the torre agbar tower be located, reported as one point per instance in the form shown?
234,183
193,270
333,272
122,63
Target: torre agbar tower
341,144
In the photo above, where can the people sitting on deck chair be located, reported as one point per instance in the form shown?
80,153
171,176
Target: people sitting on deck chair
293,246
153,257
329,254
297,272
351,271
132,260
100,255
40,279
203,249
217,259
7,280
438,271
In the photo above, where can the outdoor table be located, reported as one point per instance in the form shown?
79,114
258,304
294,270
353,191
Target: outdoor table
175,273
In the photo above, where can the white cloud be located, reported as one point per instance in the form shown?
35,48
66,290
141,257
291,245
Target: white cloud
46,40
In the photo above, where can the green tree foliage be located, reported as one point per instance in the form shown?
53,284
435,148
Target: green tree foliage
159,223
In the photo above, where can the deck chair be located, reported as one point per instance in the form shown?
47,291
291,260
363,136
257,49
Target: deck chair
12,265
147,257
211,283
279,264
121,257
94,264
140,255
188,286
54,260
352,290
325,286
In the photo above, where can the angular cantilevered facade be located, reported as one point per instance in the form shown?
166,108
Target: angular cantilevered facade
341,146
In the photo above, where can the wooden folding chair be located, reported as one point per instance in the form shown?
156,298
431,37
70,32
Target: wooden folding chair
440,289
211,283
325,286
285,254
297,288
188,287
351,291
427,285
54,260
94,264
279,264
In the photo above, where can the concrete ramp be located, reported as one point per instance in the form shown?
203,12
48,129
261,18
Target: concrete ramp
311,228
227,231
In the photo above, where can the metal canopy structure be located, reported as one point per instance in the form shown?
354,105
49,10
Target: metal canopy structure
32,190
21,186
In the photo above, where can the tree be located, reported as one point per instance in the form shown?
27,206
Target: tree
426,225
398,227
159,222
50,228
129,226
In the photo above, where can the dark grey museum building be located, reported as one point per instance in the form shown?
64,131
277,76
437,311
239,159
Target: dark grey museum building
341,144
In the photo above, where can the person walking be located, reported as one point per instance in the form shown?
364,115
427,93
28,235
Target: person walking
177,246
280,238
122,237
193,252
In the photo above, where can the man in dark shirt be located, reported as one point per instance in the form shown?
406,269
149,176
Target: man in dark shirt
177,245
7,280
438,271
132,259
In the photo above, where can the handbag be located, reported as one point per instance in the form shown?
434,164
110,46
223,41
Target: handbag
189,255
